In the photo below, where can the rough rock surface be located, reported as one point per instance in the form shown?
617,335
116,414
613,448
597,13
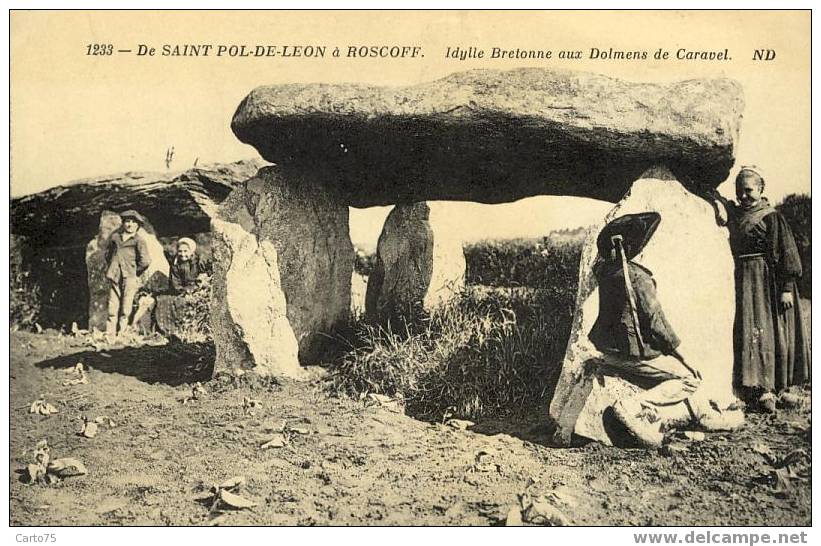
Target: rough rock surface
54,227
176,203
419,264
691,262
307,231
155,277
248,309
495,136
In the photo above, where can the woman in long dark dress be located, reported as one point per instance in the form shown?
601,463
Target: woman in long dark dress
183,274
770,337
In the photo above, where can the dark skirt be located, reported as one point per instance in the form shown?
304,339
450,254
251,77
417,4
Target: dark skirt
771,345
168,313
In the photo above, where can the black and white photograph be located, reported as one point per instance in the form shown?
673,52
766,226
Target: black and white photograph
412,268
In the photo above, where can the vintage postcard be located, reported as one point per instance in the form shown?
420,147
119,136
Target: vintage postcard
411,268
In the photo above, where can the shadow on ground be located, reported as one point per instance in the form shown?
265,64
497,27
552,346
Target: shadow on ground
172,364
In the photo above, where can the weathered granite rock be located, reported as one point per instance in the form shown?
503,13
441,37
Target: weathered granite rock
691,262
248,308
307,230
154,278
494,136
56,225
420,264
176,202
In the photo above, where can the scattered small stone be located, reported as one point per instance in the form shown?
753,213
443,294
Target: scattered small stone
35,473
694,436
80,375
764,449
251,405
391,404
66,467
198,391
89,429
278,440
767,402
796,426
298,430
459,424
105,419
226,495
42,407
673,448
537,510
781,481
484,462
274,425
789,400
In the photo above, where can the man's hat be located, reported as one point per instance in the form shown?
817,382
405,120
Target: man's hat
635,229
134,215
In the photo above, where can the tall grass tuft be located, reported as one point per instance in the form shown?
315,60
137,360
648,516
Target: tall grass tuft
490,351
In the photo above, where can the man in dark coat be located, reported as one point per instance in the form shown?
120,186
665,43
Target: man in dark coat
127,258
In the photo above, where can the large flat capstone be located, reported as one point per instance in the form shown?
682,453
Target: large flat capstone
495,136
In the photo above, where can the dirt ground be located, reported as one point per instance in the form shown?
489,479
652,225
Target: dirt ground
347,463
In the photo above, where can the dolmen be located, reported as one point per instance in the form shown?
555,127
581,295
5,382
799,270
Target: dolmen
283,257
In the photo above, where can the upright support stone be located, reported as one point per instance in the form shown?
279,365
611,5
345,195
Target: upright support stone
155,277
420,264
283,261
689,255
248,308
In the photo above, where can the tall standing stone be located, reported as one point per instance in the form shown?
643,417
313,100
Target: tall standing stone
248,308
690,258
420,264
293,238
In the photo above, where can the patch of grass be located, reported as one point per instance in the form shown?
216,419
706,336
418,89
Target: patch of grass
488,352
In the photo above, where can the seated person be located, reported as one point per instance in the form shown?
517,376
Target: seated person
639,345
185,268
169,307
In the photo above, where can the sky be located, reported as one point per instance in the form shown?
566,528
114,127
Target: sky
75,115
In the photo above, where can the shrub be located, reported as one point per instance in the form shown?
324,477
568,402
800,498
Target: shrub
24,296
194,320
24,301
797,210
520,262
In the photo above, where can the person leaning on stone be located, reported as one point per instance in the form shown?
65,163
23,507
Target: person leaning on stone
770,338
126,259
639,345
